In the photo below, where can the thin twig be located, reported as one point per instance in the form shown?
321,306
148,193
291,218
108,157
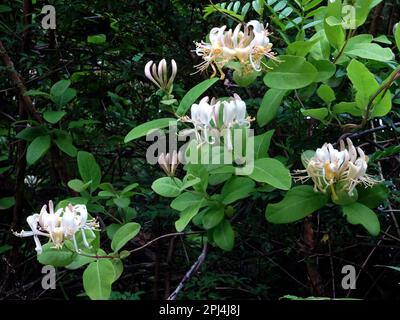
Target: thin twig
356,135
192,271
367,259
164,236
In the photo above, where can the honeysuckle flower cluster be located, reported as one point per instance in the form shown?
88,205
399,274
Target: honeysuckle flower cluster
247,47
211,122
159,74
59,225
330,167
169,162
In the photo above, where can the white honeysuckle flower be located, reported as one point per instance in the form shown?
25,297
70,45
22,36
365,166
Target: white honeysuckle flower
205,113
49,220
208,126
240,109
159,74
60,225
229,112
247,47
169,162
68,222
329,167
32,222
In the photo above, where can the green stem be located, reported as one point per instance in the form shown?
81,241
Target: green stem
382,89
349,36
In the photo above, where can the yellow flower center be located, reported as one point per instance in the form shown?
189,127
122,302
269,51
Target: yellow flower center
329,175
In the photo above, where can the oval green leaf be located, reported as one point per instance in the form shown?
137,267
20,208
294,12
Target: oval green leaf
273,172
124,234
193,94
98,278
292,73
146,128
298,203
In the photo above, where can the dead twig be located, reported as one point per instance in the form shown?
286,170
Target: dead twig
192,271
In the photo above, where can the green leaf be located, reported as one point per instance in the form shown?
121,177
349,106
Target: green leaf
89,169
325,69
78,185
64,143
319,113
106,194
213,216
97,39
244,80
66,97
269,106
334,33
112,229
326,93
167,187
292,73
237,188
59,88
356,40
370,51
383,39
187,199
397,36
30,133
273,172
363,7
80,260
347,107
186,216
300,48
37,149
119,266
372,197
201,172
224,236
6,203
261,144
193,94
357,213
366,85
129,187
190,181
4,8
35,93
53,116
393,268
98,278
122,202
148,127
322,49
363,81
124,234
298,203
4,248
56,257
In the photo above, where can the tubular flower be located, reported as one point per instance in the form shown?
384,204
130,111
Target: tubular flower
169,162
248,47
159,74
211,122
330,167
59,226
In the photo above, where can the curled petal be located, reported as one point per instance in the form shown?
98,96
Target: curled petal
148,74
173,75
